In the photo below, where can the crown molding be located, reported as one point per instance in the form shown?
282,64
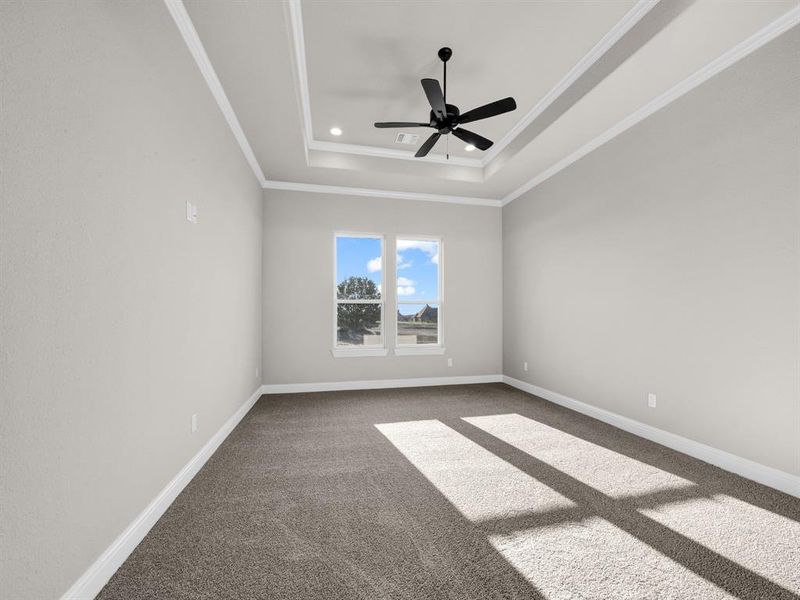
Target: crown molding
178,12
298,43
371,193
295,23
297,40
198,52
181,17
631,18
457,161
736,53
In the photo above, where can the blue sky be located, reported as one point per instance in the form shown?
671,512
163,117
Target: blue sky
417,265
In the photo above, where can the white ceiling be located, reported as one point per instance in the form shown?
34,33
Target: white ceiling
580,72
365,60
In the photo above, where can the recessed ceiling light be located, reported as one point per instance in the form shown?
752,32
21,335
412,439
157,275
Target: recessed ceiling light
469,147
336,131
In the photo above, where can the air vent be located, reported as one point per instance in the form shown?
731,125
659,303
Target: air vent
406,138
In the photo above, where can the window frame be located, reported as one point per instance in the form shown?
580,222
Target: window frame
341,351
421,349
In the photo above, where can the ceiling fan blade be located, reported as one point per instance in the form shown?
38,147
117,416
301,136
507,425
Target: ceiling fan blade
434,93
429,143
498,107
400,124
480,142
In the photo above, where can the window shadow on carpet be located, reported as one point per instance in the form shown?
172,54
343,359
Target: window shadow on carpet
597,526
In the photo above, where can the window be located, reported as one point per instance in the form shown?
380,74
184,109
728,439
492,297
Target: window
419,295
358,298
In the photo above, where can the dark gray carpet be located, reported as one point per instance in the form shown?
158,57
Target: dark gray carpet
308,499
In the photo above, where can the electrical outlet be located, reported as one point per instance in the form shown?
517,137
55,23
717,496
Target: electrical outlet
194,423
449,362
524,366
651,400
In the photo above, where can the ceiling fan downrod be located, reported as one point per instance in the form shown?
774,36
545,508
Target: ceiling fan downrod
445,54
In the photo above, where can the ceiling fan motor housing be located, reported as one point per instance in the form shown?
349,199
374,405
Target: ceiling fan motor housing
449,123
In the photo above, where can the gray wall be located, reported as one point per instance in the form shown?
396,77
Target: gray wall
119,318
298,280
667,261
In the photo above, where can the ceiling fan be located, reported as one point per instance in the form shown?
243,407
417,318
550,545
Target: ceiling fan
446,118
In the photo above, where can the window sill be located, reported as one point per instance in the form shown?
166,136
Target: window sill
357,352
419,350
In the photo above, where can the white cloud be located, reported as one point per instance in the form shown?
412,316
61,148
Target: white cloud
380,291
430,248
403,263
374,265
404,281
407,290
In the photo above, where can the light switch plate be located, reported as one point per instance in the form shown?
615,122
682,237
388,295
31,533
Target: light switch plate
191,212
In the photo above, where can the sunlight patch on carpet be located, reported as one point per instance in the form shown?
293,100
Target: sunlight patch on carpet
760,540
588,558
594,559
609,472
479,484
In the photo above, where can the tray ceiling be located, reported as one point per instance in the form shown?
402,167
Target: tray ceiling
286,72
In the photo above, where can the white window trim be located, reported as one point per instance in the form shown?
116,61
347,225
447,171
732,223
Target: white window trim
357,351
421,349
342,352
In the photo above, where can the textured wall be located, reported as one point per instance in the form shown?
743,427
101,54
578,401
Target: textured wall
667,261
298,275
119,318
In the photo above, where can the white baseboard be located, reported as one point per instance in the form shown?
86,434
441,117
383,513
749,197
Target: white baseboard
377,384
774,478
97,575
